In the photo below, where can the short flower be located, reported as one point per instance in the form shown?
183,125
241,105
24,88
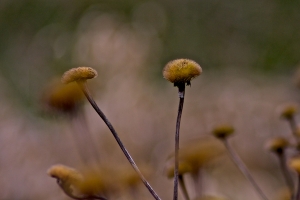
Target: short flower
277,145
223,131
289,111
295,164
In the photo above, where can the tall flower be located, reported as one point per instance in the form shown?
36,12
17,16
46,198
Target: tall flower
180,72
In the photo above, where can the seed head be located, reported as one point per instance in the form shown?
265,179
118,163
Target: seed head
65,174
183,168
295,164
277,145
62,98
289,111
195,155
223,131
181,71
78,74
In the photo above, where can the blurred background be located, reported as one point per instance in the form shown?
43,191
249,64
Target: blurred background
249,53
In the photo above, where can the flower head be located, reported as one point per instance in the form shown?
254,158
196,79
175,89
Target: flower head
289,111
65,173
62,98
183,168
78,74
295,164
223,131
181,71
196,154
277,145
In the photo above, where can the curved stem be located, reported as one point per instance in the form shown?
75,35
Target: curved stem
297,194
239,163
86,92
181,92
183,187
287,176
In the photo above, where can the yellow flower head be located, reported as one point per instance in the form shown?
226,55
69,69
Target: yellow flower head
65,174
277,145
196,154
223,131
181,71
289,111
78,74
183,168
63,98
295,164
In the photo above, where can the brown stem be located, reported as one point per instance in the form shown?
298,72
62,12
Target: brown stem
239,163
297,194
293,125
183,187
86,92
198,182
286,174
181,91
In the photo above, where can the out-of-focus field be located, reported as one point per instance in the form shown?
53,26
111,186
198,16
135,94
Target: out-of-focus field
248,71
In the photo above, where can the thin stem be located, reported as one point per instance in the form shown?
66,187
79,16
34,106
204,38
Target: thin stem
297,194
287,176
183,187
198,182
239,163
86,92
181,92
293,125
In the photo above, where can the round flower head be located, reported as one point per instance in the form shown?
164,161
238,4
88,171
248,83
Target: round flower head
295,164
62,98
277,145
289,111
65,174
223,131
183,168
181,71
78,74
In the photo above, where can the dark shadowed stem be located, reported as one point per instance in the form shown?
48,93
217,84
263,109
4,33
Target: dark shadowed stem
198,182
293,125
183,187
286,174
86,92
85,141
297,194
239,163
181,91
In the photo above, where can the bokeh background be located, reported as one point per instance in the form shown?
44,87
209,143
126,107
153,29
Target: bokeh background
249,52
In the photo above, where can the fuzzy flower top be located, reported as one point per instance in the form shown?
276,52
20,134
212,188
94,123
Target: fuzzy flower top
181,71
78,74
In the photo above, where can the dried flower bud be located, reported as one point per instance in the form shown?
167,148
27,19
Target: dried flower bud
277,145
223,131
181,71
62,98
295,164
289,111
65,173
183,168
196,154
78,74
